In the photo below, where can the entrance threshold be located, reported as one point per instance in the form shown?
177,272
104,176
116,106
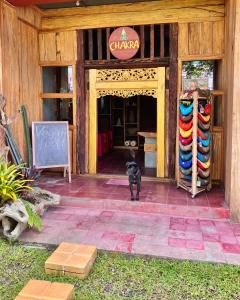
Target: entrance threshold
119,176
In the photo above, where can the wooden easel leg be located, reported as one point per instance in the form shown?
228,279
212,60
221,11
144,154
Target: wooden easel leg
69,174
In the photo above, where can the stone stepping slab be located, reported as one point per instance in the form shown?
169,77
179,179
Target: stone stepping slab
71,259
45,290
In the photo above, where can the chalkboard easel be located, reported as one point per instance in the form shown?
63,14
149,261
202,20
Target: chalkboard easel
50,141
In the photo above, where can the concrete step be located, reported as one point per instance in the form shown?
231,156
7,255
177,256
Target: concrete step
204,212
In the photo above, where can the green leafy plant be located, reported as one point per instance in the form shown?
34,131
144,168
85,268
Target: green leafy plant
34,220
11,182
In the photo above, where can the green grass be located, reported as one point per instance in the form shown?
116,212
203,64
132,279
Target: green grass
117,276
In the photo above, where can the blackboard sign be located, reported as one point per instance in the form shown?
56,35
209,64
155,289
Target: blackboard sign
51,145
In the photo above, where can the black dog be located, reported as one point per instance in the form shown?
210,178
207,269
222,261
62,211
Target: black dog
134,176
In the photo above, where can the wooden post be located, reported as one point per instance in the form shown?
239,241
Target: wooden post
232,87
160,122
172,113
80,105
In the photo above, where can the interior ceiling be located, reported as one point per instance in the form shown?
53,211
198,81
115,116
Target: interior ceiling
48,4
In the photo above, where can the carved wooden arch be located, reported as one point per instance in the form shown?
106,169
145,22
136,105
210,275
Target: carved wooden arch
127,83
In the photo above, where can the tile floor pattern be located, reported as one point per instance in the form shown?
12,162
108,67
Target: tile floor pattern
155,197
141,233
166,222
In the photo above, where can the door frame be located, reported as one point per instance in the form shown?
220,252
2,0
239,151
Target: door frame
126,83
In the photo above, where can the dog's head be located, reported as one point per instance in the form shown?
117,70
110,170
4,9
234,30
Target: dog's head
132,168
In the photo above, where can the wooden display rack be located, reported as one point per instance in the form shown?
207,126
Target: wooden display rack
193,184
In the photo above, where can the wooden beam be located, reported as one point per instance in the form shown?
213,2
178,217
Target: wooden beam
80,104
133,63
56,95
143,13
173,86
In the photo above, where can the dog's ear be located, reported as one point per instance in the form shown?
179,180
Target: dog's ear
127,164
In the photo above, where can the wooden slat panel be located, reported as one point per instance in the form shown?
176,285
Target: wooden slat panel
31,15
162,40
206,38
107,39
142,41
152,41
194,38
99,39
60,46
47,47
217,163
90,44
183,39
218,37
67,46
21,72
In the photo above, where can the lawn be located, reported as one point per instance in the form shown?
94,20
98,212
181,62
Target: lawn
117,276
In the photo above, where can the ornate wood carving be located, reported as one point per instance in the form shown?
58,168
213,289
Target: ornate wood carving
126,93
144,74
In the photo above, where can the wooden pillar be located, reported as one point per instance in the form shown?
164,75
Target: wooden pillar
81,105
232,94
172,112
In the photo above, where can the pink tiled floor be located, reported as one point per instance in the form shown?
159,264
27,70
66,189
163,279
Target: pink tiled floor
141,233
166,222
155,197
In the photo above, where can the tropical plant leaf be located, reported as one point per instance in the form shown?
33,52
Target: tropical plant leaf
34,219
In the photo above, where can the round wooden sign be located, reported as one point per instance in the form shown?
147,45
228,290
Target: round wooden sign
124,43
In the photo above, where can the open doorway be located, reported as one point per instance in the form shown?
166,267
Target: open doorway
120,124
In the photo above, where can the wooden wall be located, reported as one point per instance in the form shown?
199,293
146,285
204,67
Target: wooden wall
154,12
20,69
201,40
58,46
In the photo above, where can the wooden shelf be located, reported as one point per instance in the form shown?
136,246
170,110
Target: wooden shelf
125,147
56,95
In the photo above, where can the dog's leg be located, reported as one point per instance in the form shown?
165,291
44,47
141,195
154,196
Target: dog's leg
138,190
131,190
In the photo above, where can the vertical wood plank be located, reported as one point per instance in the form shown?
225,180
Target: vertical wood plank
218,36
80,104
160,122
206,38
194,38
99,38
107,39
142,41
90,44
173,88
183,39
151,41
92,123
162,40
